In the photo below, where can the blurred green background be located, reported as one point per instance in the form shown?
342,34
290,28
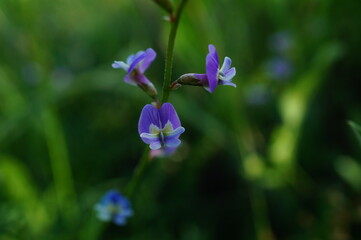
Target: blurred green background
274,158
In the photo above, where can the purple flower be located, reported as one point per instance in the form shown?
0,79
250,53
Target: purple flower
135,66
216,75
114,207
160,128
279,68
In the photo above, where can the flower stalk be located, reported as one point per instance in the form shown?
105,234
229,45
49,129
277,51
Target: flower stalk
170,50
132,185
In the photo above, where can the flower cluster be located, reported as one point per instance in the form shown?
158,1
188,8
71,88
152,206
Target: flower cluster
280,66
159,124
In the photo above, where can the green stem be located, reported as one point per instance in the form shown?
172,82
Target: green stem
169,57
138,173
167,78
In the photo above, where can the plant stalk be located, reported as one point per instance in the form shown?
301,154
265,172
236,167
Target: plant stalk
170,50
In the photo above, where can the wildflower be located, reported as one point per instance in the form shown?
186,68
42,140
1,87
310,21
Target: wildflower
160,128
114,207
135,66
215,75
279,68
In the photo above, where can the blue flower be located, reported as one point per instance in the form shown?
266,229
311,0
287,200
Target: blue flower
160,128
279,68
114,207
215,73
135,66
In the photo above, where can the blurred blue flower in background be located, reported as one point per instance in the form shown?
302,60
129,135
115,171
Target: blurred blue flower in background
279,68
114,207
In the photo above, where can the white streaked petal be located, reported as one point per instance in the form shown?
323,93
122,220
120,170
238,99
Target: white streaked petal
155,145
226,64
120,64
175,132
229,83
150,136
229,74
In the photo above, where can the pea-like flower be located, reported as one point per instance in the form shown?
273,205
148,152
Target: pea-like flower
160,128
214,76
135,66
279,68
114,207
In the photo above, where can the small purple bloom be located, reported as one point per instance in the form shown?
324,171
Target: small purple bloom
114,207
160,128
216,75
279,68
135,66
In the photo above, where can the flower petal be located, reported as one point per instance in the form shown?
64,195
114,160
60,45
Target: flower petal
133,64
229,83
229,74
175,133
114,206
149,57
153,140
168,113
212,66
130,80
155,145
143,79
167,151
174,142
212,72
213,52
103,213
149,115
132,57
226,64
120,64
119,219
149,138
